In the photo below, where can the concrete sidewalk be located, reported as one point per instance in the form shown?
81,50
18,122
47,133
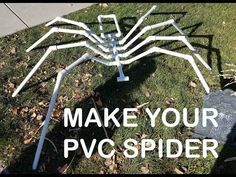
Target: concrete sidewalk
18,16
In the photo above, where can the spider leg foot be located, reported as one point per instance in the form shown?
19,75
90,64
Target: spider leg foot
122,78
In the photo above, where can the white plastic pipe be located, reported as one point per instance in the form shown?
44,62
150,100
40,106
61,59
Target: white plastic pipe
86,34
54,48
196,53
85,44
121,77
69,31
49,50
166,38
139,22
85,27
61,19
105,62
79,24
51,31
145,29
60,76
189,58
112,35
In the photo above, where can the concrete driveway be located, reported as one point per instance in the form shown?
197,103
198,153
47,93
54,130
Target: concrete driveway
18,16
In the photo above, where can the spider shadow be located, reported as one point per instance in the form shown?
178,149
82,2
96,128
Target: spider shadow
138,74
228,151
177,20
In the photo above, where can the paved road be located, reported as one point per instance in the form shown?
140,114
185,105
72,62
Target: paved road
18,16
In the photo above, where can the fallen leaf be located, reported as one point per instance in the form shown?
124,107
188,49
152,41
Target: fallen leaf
43,84
177,171
169,100
142,105
103,4
15,110
56,114
184,169
27,141
42,103
13,50
9,87
76,95
102,172
193,84
147,94
33,115
113,167
137,146
108,162
143,136
25,109
39,117
2,64
62,169
145,169
96,158
77,83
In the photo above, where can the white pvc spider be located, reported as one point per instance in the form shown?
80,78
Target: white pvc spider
110,55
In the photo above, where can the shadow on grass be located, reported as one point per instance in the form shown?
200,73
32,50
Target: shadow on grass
111,94
228,151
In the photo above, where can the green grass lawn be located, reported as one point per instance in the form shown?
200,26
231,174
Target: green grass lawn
156,79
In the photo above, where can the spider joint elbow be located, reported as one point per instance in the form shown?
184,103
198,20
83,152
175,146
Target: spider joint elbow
54,29
61,73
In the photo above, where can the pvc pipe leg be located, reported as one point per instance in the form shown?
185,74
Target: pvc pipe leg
139,22
168,38
196,54
53,48
190,46
51,31
80,24
49,50
178,28
48,116
51,105
72,22
67,31
199,74
144,30
180,55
